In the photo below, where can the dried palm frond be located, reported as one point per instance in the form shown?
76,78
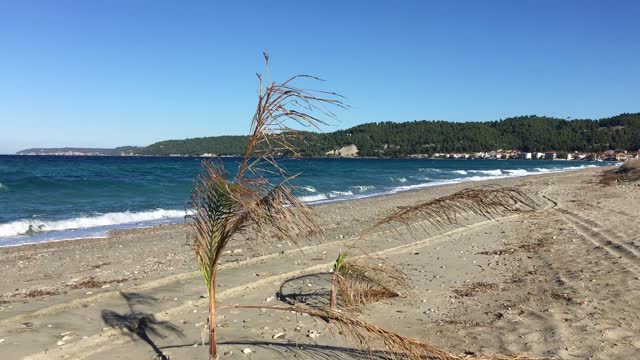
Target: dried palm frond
488,202
281,105
222,205
370,337
364,280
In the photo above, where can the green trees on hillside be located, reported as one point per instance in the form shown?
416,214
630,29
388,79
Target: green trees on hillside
389,139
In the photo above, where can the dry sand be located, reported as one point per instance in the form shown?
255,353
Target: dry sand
562,282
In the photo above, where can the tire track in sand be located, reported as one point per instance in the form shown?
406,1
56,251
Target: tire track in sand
595,233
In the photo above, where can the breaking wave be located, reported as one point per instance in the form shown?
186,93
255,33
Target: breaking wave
34,226
495,172
424,182
363,188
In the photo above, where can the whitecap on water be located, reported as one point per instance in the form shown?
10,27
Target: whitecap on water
313,198
32,226
400,179
363,188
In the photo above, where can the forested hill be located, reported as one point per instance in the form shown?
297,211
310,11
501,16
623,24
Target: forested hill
219,145
526,133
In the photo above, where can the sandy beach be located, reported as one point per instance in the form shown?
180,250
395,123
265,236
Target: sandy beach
561,282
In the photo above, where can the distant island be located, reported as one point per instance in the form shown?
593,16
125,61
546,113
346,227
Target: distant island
523,134
73,151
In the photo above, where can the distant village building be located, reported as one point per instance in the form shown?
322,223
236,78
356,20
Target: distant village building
550,155
526,156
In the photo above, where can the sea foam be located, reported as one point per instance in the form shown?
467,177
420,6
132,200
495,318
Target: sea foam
363,188
30,226
313,198
496,172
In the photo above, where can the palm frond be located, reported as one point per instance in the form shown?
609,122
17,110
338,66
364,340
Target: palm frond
214,216
364,280
280,107
488,202
369,337
274,210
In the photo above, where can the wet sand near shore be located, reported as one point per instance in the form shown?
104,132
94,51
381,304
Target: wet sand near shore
561,282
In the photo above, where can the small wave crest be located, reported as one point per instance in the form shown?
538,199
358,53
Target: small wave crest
518,172
496,172
313,198
363,188
400,179
461,172
32,226
310,189
340,193
3,187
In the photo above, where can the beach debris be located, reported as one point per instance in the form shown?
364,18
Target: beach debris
228,353
313,334
278,335
237,251
2,340
246,351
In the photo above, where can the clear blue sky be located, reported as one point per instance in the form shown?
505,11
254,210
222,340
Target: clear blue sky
130,72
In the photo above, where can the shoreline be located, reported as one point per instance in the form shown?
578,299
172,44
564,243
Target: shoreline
172,221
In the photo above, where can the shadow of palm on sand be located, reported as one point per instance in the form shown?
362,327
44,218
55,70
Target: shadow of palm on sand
138,324
312,290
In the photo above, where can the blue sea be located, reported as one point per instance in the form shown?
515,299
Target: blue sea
48,198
